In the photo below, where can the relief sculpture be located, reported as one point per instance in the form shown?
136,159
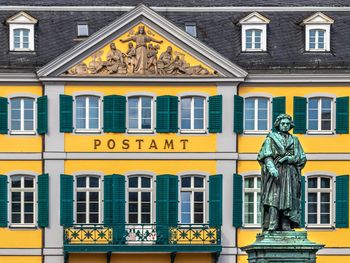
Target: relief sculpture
141,58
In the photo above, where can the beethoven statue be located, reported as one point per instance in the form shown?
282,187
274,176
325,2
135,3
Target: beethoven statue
281,158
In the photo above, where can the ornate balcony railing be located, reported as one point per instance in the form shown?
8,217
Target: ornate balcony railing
142,234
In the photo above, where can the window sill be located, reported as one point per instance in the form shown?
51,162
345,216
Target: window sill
256,132
140,131
251,227
87,131
320,227
23,226
320,132
310,51
193,131
22,133
254,51
19,51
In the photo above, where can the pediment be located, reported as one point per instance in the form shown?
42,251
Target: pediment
141,43
254,18
318,18
21,18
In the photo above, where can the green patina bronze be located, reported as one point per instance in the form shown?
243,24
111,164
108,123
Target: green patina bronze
281,158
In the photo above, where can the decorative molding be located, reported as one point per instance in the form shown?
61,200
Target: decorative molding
297,78
21,18
318,18
254,18
142,80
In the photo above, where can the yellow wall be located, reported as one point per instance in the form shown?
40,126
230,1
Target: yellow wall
20,143
20,259
311,143
330,237
86,143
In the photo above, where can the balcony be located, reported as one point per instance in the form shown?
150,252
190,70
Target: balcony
142,238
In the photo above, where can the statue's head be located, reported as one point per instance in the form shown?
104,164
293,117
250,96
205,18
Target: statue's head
284,123
112,46
141,30
169,49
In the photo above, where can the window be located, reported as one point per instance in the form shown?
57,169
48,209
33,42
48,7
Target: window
320,112
21,34
140,113
256,114
88,199
22,200
316,40
254,31
193,114
319,201
252,216
191,29
22,116
140,200
192,200
82,30
253,39
87,113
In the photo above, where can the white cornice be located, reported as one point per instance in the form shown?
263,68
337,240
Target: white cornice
18,77
297,78
179,9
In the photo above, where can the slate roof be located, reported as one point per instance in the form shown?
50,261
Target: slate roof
56,33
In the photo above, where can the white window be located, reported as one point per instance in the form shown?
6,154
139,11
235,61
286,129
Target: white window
254,30
87,114
191,29
139,200
193,114
22,116
140,113
317,32
82,29
22,200
88,200
320,114
319,201
21,28
251,210
192,200
256,114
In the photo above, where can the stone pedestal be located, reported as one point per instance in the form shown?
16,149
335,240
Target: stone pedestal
282,247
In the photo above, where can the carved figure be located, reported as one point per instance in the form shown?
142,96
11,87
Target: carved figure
152,58
141,39
115,60
281,158
131,58
165,63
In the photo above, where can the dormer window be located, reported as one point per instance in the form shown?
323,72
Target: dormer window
317,32
191,29
254,32
82,29
21,28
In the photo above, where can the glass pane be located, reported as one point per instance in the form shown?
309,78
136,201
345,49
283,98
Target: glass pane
312,218
94,182
198,207
133,124
198,124
326,125
145,182
325,208
145,218
185,103
249,182
325,197
16,181
258,182
312,197
16,207
133,196
146,102
133,207
186,181
93,218
198,196
133,218
16,197
28,207
146,124
312,182
83,30
81,181
81,196
133,102
81,207
133,182
198,182
325,218
28,103
29,196
94,196
16,218
28,182
146,207
185,124
325,183
94,207
81,101
312,207
185,218
198,218
145,197
16,114
28,125
191,29
81,218
28,218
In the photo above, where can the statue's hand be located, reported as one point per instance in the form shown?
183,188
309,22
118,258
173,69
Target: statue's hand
291,159
274,172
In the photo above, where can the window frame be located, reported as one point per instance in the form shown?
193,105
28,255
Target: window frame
255,190
193,189
87,113
205,115
30,27
139,115
87,29
22,131
319,115
88,190
323,27
318,191
263,44
22,190
256,112
191,24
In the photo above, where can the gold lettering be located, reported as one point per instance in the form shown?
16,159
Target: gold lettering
125,144
139,141
111,144
97,143
153,145
169,144
184,141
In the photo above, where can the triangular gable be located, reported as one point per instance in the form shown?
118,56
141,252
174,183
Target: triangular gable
21,18
97,57
318,18
254,18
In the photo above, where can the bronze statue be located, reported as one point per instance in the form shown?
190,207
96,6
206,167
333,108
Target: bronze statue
281,158
141,39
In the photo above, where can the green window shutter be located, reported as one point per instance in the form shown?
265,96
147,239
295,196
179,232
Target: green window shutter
108,200
42,114
114,113
238,108
118,188
43,200
167,114
66,113
173,200
237,200
278,107
300,115
215,200
342,201
3,201
66,193
302,202
215,114
162,208
3,115
342,115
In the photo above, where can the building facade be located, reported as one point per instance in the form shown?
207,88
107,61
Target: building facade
130,133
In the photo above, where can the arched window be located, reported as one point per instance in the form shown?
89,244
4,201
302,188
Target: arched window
88,199
139,199
251,208
87,111
192,199
22,199
319,201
